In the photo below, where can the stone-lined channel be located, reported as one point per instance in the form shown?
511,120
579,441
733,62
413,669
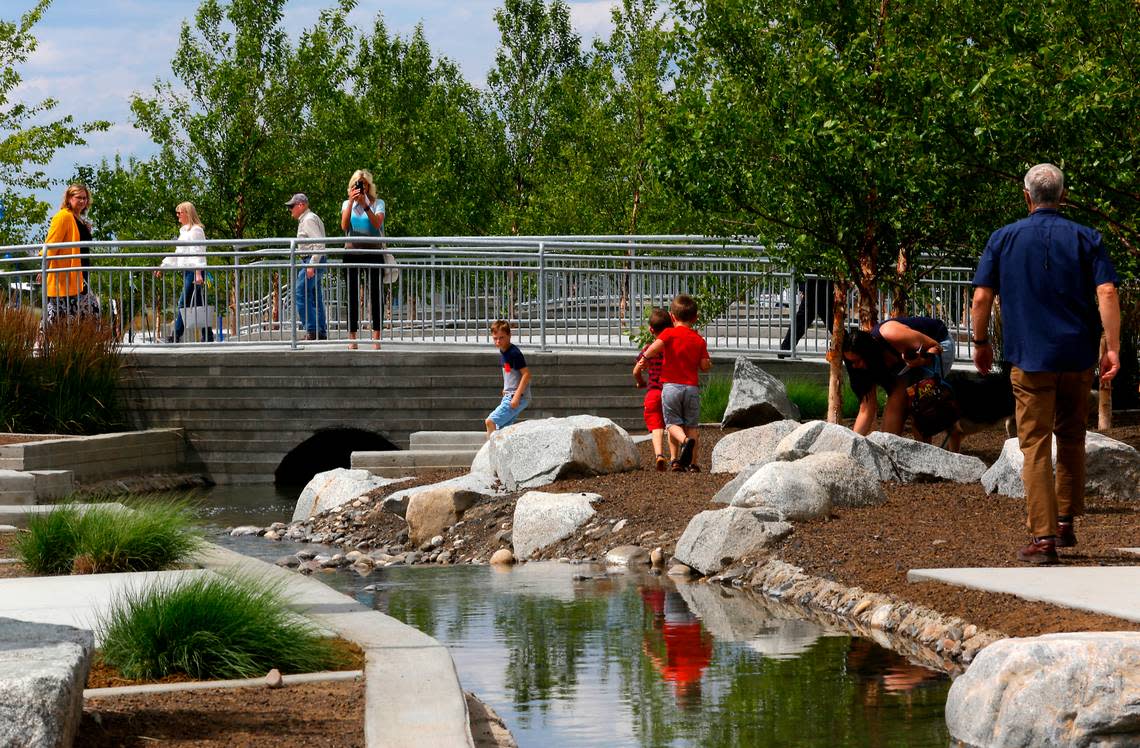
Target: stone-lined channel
578,655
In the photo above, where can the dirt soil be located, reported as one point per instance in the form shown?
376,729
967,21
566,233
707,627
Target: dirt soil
23,438
313,715
921,526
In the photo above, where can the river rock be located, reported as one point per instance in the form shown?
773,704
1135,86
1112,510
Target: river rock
756,398
736,451
717,537
333,488
502,557
627,555
542,519
784,491
537,453
1072,689
820,436
471,487
244,530
432,510
1112,469
918,462
43,669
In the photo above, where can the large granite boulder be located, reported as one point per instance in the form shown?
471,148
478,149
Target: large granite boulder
335,487
539,452
756,398
717,537
1073,689
736,451
820,436
728,490
784,491
542,519
918,462
470,488
481,464
43,669
1112,469
434,509
846,482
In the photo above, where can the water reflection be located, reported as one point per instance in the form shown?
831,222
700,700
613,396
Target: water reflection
631,659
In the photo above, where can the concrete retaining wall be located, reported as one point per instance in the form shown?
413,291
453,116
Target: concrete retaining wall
103,456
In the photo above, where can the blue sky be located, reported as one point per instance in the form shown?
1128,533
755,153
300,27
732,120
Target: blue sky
92,56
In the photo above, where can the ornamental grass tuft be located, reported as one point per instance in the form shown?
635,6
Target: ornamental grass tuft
714,398
211,627
156,534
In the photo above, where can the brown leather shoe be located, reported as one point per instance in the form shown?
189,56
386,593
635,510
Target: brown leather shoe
1039,551
1066,536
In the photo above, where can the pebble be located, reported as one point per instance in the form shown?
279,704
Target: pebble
502,557
657,556
289,562
436,541
238,532
620,525
273,679
679,570
646,534
272,535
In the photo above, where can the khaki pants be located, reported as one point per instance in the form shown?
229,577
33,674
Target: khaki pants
1052,403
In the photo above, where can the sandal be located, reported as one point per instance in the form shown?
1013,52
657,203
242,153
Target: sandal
661,463
694,468
676,467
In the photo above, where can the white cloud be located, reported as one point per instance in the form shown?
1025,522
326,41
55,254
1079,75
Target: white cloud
592,19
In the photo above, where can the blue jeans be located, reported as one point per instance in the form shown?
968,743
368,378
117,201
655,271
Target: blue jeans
310,300
193,294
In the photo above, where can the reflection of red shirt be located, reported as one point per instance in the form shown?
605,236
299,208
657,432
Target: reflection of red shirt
688,650
684,351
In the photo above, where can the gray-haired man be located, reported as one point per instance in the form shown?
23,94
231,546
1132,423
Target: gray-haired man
307,292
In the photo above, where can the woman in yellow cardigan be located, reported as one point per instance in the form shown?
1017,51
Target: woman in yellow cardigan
67,292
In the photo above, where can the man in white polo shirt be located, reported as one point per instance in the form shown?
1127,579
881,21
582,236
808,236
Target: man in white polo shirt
307,292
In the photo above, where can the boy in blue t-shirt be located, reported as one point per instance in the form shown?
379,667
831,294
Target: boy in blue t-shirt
516,379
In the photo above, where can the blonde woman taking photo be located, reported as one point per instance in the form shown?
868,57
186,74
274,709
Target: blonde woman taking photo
191,260
67,292
362,214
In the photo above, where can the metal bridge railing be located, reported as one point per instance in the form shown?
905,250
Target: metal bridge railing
557,291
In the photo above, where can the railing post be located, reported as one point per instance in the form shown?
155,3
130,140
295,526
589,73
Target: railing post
43,285
542,296
292,280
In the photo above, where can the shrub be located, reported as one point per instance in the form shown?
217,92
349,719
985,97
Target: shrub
18,329
157,534
211,627
78,379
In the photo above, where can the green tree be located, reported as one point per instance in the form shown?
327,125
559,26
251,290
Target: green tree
26,145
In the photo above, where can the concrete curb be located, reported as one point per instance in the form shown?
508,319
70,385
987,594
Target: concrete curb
207,685
412,691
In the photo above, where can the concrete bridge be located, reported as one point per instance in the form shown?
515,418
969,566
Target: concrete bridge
254,416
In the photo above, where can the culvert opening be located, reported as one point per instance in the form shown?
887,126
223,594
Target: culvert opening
325,450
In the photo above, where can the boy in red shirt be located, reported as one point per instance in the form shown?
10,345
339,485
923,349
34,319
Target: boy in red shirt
659,321
685,356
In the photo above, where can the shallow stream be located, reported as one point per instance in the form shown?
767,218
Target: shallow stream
578,655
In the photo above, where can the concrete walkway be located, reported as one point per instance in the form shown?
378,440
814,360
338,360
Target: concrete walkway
1110,590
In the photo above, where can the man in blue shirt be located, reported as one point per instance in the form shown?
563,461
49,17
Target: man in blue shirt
1053,277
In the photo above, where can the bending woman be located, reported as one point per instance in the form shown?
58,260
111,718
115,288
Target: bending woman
191,260
884,358
362,214
67,291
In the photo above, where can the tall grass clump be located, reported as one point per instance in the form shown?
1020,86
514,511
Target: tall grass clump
79,371
714,399
811,398
211,627
156,533
18,329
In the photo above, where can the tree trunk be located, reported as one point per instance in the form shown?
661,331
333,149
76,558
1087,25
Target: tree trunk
902,290
835,353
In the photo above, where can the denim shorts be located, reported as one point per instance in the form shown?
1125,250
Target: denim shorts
681,404
505,415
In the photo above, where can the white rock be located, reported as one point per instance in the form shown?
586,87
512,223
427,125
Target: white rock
820,436
238,532
627,555
542,519
715,538
1073,689
471,487
784,491
619,525
537,453
728,490
736,451
43,669
273,679
917,461
846,482
333,488
756,397
1112,469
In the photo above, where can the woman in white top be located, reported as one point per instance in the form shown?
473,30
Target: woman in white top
362,214
191,260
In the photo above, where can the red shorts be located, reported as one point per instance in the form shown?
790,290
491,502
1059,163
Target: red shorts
652,411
